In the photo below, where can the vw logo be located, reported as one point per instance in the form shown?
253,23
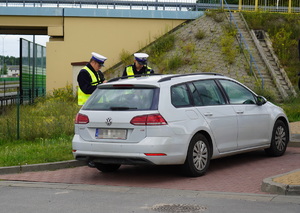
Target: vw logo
108,121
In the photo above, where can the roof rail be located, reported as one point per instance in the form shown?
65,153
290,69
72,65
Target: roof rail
131,76
199,73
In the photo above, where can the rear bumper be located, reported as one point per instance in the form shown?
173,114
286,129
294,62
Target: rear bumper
114,160
131,153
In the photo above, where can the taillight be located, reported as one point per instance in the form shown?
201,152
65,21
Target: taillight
148,120
81,119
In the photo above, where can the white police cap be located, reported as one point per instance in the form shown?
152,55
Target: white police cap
99,58
141,57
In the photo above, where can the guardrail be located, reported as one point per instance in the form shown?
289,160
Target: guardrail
8,92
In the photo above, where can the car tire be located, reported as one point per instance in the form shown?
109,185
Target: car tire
106,168
198,157
280,139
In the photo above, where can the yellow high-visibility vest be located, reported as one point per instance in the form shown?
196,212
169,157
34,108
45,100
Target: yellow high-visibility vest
129,71
82,97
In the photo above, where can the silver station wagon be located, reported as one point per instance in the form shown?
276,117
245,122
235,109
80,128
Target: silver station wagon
183,120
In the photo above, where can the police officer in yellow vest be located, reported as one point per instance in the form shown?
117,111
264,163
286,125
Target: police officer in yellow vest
139,66
89,77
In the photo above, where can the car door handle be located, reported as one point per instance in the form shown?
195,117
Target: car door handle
240,112
208,114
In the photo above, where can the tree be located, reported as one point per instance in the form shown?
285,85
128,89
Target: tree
5,71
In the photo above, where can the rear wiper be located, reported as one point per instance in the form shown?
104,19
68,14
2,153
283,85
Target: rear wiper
122,108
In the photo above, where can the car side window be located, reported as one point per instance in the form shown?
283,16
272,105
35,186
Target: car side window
237,94
180,96
209,92
195,95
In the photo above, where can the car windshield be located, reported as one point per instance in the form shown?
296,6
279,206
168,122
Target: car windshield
131,98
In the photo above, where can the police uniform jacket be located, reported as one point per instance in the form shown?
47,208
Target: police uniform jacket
84,79
145,69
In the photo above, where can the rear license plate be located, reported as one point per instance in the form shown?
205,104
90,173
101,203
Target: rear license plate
111,134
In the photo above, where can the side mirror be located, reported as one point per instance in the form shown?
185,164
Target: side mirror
260,100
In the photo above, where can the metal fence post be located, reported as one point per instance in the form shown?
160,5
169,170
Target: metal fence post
240,5
290,6
18,114
256,6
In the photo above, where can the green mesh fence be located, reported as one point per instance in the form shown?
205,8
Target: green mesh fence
32,70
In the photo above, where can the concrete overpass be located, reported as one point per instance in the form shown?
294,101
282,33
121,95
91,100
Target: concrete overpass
76,32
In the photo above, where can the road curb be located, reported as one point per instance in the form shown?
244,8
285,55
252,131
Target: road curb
41,167
268,185
295,140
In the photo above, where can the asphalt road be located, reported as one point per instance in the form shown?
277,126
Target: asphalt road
27,197
231,184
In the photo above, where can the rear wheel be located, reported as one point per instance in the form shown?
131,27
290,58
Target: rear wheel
280,139
107,167
198,156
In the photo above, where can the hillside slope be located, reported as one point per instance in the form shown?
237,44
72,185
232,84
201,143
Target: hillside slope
191,54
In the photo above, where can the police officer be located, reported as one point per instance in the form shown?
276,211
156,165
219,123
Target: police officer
139,66
89,77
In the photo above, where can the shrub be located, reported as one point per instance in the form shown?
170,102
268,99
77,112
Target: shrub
283,43
175,62
126,57
162,45
216,15
189,48
200,34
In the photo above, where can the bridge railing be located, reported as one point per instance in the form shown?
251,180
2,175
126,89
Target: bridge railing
284,6
178,5
287,6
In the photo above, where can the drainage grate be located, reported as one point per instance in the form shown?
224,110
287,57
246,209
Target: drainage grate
178,208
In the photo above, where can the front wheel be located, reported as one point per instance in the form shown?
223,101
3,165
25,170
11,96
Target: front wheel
198,156
280,139
107,167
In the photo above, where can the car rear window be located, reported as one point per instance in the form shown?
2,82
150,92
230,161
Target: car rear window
131,98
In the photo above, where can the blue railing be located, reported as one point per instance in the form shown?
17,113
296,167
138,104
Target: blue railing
187,5
245,47
181,5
